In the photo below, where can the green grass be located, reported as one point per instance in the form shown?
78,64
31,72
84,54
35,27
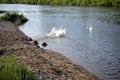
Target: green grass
108,3
11,70
14,17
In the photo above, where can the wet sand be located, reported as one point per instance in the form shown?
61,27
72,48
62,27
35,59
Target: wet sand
46,64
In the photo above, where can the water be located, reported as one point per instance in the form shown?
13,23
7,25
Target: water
98,50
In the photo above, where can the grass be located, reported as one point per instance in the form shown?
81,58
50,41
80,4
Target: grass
11,70
108,3
14,17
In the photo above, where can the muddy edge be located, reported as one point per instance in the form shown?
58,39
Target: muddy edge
46,64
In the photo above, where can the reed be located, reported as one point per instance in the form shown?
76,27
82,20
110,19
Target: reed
14,17
108,3
11,70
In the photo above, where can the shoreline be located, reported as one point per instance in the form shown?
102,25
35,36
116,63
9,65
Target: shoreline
47,64
84,3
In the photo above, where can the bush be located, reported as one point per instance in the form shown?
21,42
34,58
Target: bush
14,17
108,3
11,70
1,11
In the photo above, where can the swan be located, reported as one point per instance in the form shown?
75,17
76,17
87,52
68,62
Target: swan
56,33
89,27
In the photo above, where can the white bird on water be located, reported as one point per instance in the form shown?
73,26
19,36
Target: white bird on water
89,27
56,33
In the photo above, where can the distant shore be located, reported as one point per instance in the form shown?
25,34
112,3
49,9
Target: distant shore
103,3
47,64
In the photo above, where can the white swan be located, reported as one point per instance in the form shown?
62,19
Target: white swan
89,27
56,33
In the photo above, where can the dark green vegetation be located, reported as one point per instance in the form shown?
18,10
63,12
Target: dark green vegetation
11,70
112,3
1,11
14,17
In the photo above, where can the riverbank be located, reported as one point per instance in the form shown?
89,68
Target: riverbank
105,3
47,64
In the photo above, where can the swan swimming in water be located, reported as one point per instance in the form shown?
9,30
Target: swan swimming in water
89,27
56,33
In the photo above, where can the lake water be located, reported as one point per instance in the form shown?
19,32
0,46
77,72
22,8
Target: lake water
98,51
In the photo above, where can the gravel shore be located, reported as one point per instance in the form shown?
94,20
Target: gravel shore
47,64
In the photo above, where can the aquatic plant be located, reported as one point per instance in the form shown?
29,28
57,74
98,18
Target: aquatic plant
14,17
11,70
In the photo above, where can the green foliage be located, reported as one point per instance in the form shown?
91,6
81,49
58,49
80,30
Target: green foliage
14,17
1,11
112,3
11,70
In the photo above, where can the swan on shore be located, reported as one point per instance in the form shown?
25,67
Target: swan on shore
56,33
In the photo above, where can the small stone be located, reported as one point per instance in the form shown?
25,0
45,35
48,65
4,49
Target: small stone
44,44
16,38
29,39
38,46
35,42
2,52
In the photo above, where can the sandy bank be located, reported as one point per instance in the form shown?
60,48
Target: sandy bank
48,65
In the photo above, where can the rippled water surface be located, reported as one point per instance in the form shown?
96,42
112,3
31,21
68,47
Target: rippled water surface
97,50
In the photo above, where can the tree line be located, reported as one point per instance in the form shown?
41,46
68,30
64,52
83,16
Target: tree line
108,3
